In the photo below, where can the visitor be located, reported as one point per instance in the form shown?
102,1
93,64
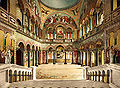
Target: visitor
111,54
118,57
12,55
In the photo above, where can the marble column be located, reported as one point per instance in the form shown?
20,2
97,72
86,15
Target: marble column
93,58
65,35
80,57
65,58
72,35
28,51
33,28
29,24
41,56
54,58
105,48
46,57
103,57
38,57
68,35
86,58
55,36
97,18
72,57
68,55
80,33
90,58
33,57
23,19
51,36
47,35
91,22
96,57
36,30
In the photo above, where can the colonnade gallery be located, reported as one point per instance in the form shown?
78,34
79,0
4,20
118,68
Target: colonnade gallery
85,33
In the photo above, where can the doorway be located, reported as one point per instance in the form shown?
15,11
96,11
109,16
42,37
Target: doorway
20,54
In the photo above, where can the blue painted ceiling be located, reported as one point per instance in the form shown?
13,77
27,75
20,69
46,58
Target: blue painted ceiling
59,4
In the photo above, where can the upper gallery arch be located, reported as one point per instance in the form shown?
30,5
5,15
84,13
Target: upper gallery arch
60,18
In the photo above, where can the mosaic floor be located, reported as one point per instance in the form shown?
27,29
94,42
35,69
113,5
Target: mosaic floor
50,71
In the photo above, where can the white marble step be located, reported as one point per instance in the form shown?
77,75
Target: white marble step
59,84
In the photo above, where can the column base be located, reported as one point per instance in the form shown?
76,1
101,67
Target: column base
36,65
53,63
65,63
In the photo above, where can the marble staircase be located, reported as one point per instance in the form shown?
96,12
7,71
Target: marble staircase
59,84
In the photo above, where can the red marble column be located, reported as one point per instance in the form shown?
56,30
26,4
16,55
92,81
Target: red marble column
70,35
75,56
78,33
66,35
44,55
49,35
11,43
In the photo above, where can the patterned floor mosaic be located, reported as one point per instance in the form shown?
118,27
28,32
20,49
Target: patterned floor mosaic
57,71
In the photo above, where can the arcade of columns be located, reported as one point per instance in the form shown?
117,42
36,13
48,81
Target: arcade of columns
88,51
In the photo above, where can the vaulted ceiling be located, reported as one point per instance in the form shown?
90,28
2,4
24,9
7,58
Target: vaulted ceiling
59,4
68,7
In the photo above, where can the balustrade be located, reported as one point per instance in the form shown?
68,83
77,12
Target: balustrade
100,74
7,17
17,73
16,76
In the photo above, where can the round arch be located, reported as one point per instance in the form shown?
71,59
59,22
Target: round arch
20,54
60,12
60,45
69,47
50,46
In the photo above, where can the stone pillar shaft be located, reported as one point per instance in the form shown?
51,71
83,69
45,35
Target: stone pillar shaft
33,58
65,58
72,57
41,56
46,58
54,58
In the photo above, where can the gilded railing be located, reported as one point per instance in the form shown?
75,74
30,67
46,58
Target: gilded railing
7,18
113,15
